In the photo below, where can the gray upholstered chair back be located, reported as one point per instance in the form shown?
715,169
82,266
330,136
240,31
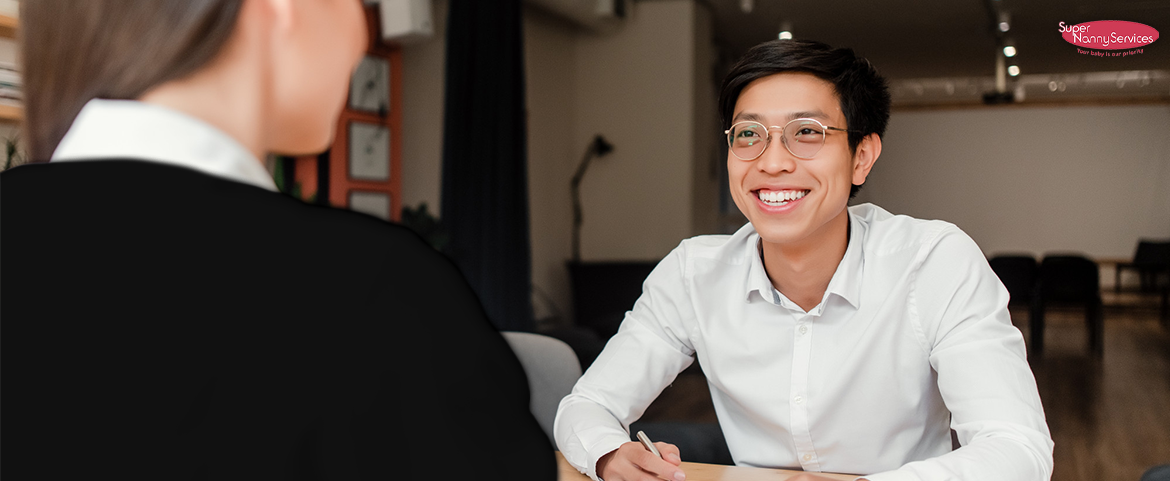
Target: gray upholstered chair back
552,370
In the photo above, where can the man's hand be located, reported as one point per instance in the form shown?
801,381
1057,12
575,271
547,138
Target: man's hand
632,462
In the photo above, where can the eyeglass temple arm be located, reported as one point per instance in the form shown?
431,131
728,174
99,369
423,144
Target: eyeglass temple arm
844,130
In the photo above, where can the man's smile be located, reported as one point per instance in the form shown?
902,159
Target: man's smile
779,197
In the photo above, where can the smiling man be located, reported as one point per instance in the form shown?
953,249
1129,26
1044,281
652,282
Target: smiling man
833,339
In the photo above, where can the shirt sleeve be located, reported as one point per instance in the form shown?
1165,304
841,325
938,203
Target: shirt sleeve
982,368
649,350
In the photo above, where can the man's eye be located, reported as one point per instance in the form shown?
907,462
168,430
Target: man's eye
747,133
807,131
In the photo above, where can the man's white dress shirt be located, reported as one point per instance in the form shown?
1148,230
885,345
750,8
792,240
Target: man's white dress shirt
128,129
911,339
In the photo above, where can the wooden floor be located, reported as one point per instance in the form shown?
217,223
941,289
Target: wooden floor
1109,416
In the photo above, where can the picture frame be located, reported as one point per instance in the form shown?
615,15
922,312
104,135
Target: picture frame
369,151
377,204
369,87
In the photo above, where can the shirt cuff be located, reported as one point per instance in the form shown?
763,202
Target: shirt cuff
602,447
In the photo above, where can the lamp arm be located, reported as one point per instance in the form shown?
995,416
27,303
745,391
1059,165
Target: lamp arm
575,191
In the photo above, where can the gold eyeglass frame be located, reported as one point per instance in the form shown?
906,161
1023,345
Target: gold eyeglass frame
783,140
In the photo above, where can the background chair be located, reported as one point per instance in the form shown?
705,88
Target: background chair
552,370
1019,273
1069,279
1151,259
1157,473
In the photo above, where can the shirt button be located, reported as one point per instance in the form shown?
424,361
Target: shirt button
803,329
798,399
808,457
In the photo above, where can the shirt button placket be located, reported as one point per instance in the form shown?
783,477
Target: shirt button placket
801,365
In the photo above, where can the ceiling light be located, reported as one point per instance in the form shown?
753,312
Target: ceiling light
1014,70
746,5
1009,51
1052,86
1004,26
785,35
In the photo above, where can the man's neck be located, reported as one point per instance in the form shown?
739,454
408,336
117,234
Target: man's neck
802,270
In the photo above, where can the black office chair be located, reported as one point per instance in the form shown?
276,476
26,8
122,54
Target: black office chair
1151,259
1018,272
1069,279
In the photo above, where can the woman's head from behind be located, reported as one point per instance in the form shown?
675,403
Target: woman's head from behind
282,64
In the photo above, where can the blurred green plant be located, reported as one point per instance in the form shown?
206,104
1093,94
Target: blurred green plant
278,176
13,150
425,224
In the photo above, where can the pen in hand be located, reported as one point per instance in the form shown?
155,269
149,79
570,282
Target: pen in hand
678,475
649,445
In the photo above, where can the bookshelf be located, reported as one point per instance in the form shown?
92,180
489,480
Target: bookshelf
11,113
8,28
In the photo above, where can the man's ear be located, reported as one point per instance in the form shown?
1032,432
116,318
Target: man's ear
863,159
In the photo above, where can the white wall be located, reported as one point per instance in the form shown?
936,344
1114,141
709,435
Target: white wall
708,136
1091,179
550,57
423,64
634,86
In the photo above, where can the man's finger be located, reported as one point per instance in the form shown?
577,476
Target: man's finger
658,467
670,453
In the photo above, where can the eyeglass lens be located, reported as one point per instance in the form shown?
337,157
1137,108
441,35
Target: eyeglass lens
802,137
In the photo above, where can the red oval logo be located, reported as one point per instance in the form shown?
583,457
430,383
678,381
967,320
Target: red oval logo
1108,34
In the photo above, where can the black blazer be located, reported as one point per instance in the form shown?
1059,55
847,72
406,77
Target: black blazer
161,323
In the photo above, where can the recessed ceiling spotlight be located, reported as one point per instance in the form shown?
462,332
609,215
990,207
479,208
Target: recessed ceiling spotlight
1052,86
1009,51
1013,70
785,35
746,5
1004,26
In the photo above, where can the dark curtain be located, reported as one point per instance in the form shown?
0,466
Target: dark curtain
485,175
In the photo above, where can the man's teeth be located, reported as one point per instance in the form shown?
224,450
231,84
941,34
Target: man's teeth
780,197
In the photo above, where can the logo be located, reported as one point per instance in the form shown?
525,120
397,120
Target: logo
1108,34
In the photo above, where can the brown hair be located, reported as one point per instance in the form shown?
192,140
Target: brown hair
114,49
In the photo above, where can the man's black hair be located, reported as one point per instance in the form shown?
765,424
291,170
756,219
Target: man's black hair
864,96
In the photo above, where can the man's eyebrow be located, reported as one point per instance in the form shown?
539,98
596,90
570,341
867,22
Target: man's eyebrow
812,114
748,116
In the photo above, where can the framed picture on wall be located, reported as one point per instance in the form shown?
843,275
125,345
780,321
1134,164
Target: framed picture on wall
369,88
369,151
365,161
376,204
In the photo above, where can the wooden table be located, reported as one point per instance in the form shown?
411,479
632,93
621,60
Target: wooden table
707,472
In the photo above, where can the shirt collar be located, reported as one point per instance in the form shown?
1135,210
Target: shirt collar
124,129
845,283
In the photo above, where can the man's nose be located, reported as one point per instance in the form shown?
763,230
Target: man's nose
776,158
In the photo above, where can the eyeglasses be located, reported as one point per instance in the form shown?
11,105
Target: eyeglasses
802,137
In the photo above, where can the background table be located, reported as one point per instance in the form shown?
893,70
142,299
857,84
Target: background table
707,472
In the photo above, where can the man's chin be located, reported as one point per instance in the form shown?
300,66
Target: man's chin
778,234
